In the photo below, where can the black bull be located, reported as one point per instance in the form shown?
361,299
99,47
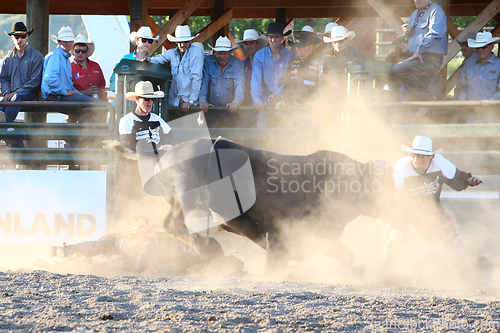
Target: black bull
304,202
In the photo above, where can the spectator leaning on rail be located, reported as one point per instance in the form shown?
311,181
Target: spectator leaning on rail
419,179
269,68
57,81
480,76
427,41
20,77
142,39
302,81
87,74
223,83
334,77
186,66
252,43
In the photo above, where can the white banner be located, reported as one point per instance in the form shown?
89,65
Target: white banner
51,207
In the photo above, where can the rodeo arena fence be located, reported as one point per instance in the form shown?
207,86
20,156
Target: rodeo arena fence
476,141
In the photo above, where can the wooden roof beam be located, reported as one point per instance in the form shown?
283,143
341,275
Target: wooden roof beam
182,15
215,26
387,15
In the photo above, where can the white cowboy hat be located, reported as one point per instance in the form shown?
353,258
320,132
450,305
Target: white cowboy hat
65,34
421,145
143,32
329,27
307,28
223,44
199,45
250,35
182,34
339,33
482,39
144,89
80,39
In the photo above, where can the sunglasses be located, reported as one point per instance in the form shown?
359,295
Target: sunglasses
462,44
147,99
146,40
483,47
20,36
80,51
418,156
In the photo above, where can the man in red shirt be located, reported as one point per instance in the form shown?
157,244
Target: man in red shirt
87,74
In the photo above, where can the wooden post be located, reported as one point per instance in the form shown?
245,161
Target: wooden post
218,11
443,72
138,16
281,16
37,17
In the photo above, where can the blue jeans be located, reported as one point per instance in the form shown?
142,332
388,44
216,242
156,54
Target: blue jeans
416,76
88,116
11,113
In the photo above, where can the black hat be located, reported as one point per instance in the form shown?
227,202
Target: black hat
302,38
276,28
19,28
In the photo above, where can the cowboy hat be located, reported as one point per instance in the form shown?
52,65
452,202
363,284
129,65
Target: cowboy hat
144,89
471,35
19,28
80,39
143,32
397,42
182,34
339,33
329,27
251,35
307,28
276,29
422,145
223,44
301,38
65,34
482,39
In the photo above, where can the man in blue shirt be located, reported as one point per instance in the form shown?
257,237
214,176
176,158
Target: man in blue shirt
223,80
57,80
427,41
252,43
269,68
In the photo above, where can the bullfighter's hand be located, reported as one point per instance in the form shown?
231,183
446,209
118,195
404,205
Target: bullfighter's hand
260,106
185,106
204,106
415,55
474,181
280,104
273,99
232,106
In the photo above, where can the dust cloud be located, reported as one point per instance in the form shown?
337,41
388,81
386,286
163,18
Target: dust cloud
362,132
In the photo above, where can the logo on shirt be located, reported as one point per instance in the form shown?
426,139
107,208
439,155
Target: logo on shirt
77,75
151,135
293,71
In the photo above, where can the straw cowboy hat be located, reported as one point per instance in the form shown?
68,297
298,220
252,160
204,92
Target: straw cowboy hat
251,35
276,29
301,38
144,89
65,34
482,39
339,33
143,32
182,34
421,145
223,44
80,39
19,28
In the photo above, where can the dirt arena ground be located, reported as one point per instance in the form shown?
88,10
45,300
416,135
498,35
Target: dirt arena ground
426,296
